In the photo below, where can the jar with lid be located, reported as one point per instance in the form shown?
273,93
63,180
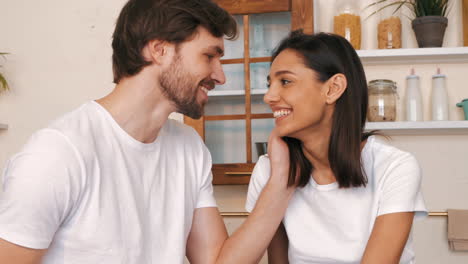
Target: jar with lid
382,100
347,22
389,27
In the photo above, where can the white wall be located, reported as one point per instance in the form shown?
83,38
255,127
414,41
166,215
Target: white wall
61,57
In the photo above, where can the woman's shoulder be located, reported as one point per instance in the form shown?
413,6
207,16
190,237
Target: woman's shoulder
382,158
261,171
380,147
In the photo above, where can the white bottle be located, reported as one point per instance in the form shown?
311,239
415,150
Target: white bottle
414,107
439,98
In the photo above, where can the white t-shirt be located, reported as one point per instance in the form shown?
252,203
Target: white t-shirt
91,193
328,224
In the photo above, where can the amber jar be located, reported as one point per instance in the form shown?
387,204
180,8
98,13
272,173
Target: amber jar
389,29
382,100
347,22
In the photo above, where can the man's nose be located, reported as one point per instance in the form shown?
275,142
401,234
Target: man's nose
218,74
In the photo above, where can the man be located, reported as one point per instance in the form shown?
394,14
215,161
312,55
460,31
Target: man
115,181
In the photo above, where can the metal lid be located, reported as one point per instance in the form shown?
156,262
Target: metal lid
382,83
412,77
438,76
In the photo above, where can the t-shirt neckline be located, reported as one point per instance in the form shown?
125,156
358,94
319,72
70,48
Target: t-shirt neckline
127,138
335,185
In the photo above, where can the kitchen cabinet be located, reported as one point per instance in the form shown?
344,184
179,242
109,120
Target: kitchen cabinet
236,117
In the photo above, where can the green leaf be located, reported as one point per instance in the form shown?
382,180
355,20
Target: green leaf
418,7
375,3
3,84
401,3
399,6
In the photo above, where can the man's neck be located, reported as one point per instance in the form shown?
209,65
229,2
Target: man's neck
138,106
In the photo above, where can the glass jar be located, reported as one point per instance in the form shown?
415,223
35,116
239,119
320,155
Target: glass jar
382,100
389,28
347,22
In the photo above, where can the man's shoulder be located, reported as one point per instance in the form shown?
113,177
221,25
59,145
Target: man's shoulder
65,134
47,140
178,129
76,120
57,133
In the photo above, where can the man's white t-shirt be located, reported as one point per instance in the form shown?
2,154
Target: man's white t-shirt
326,224
91,193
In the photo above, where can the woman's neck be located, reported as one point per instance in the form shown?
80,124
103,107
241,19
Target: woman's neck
315,148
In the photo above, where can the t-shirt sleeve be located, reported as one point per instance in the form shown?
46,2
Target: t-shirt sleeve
260,176
40,187
401,189
205,196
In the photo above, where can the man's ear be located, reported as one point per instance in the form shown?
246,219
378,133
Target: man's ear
156,51
337,85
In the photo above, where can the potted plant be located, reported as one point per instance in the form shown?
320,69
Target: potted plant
3,83
430,19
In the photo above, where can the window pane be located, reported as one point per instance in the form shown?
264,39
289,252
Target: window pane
226,141
234,49
258,75
258,106
266,31
258,82
261,129
225,105
234,78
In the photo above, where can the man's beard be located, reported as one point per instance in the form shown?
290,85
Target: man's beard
178,86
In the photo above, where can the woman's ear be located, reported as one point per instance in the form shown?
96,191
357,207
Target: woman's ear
337,86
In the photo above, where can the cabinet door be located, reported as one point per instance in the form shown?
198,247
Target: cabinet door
465,22
235,116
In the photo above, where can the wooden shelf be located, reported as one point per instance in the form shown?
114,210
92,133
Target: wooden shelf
417,55
397,56
420,128
3,126
215,93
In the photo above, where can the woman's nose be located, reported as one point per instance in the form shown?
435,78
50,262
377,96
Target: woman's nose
271,96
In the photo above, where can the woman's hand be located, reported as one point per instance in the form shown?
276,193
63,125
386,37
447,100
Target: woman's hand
278,153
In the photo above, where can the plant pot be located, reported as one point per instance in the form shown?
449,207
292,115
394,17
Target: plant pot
464,104
430,30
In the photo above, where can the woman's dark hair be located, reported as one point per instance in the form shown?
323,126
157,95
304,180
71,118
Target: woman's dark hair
329,54
173,21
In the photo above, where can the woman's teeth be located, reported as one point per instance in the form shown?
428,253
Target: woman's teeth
281,113
204,90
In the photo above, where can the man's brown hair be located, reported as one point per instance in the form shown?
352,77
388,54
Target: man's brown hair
174,21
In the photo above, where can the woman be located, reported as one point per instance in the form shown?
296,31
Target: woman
356,197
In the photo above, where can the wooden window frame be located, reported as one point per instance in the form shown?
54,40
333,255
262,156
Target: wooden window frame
301,18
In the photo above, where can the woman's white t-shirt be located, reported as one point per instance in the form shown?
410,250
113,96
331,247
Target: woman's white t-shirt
328,224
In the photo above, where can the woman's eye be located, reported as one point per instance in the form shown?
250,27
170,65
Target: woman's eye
285,82
268,85
210,56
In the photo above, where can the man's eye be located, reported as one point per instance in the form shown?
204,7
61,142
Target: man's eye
268,85
210,56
